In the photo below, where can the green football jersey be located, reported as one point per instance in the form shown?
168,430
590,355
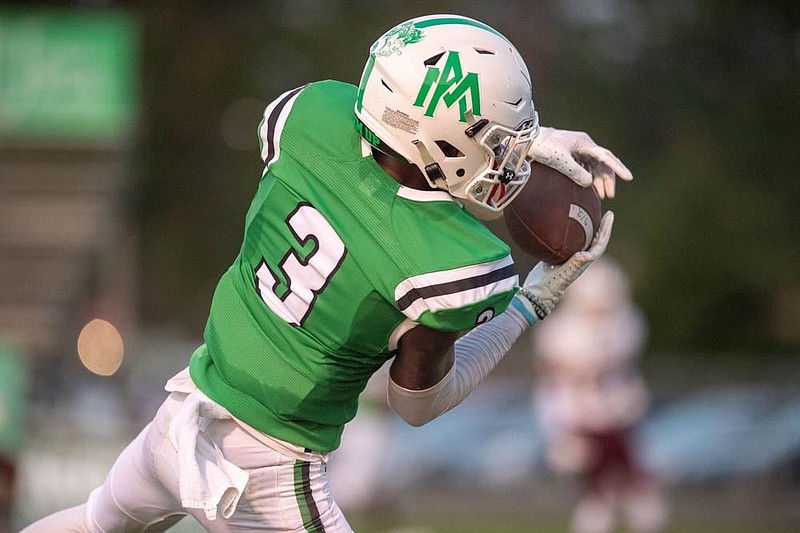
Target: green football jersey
337,260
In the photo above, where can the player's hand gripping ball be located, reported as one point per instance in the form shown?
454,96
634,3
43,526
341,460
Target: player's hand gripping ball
553,217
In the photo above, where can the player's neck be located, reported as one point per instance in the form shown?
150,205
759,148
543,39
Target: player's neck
403,173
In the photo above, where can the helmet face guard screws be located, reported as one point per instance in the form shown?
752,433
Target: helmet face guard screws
452,96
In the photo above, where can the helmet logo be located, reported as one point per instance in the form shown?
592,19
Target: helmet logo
450,85
394,40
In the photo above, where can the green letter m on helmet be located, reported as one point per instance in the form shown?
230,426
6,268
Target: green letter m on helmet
450,85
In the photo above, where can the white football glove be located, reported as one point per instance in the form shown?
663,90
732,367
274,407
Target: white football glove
575,154
545,284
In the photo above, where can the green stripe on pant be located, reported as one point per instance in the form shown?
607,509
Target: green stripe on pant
305,499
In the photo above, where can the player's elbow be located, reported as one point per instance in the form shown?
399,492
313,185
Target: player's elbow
415,419
414,411
415,407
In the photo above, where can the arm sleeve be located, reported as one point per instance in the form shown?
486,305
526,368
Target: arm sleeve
476,354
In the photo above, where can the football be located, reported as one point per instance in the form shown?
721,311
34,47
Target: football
553,217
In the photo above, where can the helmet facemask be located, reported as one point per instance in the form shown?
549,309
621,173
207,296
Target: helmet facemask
507,169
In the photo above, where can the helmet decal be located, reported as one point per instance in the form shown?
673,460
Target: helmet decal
394,40
451,86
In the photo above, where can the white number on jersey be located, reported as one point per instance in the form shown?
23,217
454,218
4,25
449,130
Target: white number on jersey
305,277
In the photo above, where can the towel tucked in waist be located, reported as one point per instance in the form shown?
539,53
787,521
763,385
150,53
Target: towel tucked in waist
206,479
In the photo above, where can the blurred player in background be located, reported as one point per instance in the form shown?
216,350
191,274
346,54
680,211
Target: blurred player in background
589,397
358,249
13,425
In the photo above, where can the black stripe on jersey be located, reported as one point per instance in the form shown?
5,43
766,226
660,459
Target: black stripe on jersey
452,287
272,121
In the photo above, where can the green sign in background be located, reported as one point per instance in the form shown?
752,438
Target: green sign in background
67,75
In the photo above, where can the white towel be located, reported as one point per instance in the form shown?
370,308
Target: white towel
206,480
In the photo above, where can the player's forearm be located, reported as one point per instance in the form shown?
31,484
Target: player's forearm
476,354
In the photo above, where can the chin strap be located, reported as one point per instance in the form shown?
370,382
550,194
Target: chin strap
433,172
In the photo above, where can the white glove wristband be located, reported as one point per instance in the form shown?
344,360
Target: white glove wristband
532,310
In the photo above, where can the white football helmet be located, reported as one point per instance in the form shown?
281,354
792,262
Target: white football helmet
452,96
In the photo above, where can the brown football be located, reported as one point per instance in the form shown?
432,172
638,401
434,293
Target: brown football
553,217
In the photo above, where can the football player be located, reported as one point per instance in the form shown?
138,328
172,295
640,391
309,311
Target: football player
589,398
361,245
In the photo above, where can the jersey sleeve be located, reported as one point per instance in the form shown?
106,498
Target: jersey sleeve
460,298
464,275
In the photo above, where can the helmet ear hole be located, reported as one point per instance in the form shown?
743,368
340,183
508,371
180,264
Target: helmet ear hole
448,149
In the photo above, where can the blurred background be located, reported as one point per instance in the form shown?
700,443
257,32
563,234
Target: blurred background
128,155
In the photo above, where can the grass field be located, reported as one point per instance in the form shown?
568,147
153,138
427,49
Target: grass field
732,507
452,524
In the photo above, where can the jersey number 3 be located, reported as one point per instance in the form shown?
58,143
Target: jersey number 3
307,276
